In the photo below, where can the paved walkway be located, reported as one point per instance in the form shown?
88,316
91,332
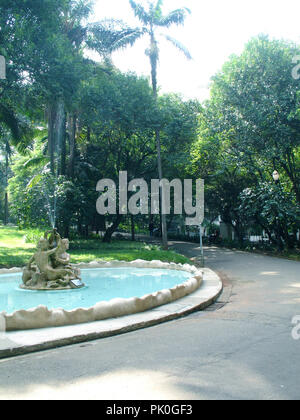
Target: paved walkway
261,284
241,348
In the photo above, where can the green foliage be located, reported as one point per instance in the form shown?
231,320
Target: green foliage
75,121
179,127
274,208
254,107
248,129
14,252
66,122
32,236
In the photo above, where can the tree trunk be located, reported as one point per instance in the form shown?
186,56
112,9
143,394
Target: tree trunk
63,148
99,223
6,215
56,133
60,131
162,197
51,135
280,243
109,232
153,60
240,232
132,228
169,224
79,227
6,209
72,141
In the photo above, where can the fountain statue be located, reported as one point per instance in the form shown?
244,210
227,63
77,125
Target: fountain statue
50,268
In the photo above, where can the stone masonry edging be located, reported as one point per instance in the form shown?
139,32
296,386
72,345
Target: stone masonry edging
42,317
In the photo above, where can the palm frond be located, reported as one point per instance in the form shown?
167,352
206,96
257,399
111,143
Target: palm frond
19,127
179,46
110,35
176,17
126,37
34,181
36,162
158,5
81,10
9,119
140,12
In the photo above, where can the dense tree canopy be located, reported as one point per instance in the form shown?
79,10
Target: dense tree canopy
66,122
250,128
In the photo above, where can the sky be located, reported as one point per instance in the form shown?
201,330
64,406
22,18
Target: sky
213,31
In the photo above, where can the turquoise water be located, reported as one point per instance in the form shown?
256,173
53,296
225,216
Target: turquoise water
102,284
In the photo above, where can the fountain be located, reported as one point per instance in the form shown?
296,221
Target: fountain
48,298
50,268
43,294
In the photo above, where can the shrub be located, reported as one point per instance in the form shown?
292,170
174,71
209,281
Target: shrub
33,236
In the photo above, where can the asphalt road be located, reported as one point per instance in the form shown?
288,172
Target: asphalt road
240,348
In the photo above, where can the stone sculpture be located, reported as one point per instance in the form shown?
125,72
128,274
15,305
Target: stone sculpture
50,268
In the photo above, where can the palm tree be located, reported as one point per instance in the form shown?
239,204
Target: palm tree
152,20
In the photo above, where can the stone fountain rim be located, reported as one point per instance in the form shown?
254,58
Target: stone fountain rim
42,317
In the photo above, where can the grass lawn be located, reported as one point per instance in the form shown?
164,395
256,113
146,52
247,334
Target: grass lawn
14,252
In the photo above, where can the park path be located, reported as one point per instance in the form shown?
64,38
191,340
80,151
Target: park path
260,284
240,348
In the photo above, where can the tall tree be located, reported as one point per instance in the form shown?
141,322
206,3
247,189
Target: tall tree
153,19
120,111
249,128
255,104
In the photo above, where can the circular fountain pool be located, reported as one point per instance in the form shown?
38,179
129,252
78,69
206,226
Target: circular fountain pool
101,284
110,291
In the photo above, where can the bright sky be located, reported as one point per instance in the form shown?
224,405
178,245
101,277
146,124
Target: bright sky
214,30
